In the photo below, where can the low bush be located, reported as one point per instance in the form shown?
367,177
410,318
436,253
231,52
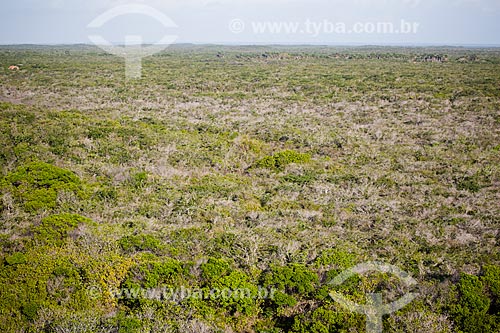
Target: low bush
302,179
471,312
37,184
54,229
214,269
335,258
16,259
241,294
293,279
280,160
324,320
139,243
154,274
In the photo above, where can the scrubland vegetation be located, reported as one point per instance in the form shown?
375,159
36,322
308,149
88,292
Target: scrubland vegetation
248,167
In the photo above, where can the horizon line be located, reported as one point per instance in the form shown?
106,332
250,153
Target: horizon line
352,44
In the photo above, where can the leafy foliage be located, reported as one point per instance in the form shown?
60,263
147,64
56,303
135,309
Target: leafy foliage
293,278
139,243
54,229
16,259
247,168
471,313
281,159
37,185
324,320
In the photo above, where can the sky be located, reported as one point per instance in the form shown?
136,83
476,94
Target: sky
369,22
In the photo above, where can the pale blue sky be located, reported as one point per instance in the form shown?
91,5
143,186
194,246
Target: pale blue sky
462,22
